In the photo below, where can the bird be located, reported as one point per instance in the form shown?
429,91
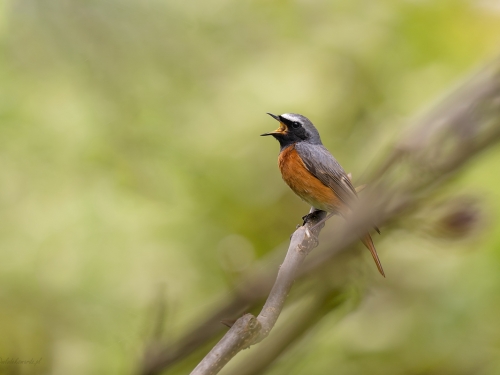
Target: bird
312,172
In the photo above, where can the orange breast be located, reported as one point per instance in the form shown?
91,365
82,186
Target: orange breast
304,184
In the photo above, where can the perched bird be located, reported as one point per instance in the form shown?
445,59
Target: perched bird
312,172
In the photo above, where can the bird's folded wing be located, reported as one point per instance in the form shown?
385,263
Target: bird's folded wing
325,168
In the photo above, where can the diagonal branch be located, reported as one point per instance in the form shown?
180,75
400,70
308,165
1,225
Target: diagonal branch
249,330
291,330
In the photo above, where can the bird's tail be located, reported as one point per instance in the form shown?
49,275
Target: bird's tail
368,242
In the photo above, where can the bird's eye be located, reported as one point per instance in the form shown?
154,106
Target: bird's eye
295,125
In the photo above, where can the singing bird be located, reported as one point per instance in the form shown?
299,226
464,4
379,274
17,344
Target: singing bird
312,172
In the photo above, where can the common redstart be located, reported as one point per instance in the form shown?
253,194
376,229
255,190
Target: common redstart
313,173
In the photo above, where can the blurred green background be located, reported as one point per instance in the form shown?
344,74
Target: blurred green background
132,167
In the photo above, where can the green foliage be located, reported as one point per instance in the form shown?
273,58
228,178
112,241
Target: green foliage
131,162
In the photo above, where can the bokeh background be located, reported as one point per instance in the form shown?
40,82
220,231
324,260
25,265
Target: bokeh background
132,172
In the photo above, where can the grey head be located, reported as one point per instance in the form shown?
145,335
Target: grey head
294,128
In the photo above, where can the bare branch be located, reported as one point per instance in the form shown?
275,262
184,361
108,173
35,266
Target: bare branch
239,337
290,331
249,330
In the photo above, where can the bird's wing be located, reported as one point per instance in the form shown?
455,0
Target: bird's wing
325,168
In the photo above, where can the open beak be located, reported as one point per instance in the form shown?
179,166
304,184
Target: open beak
281,130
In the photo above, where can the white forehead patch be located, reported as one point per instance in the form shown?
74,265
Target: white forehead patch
291,117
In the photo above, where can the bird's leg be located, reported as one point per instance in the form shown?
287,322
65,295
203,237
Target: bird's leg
310,215
324,219
305,218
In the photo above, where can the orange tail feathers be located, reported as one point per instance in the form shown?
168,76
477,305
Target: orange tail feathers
368,242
